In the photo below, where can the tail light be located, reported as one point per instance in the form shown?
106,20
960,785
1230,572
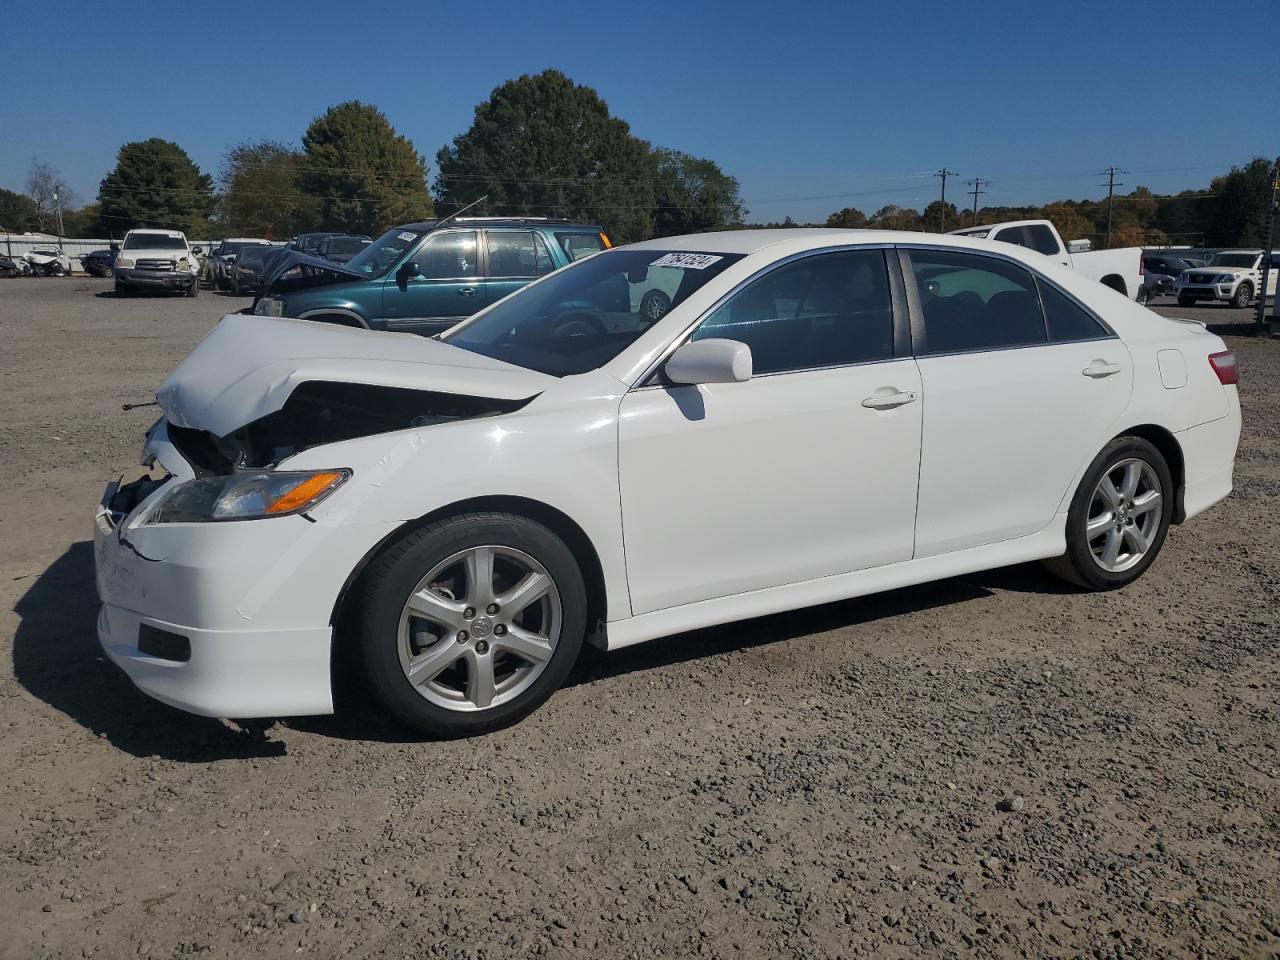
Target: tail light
1225,366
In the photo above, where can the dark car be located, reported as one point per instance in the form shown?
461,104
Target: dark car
99,263
249,269
1160,269
425,277
310,242
342,248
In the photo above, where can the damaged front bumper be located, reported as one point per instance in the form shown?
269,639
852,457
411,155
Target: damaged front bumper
155,279
220,619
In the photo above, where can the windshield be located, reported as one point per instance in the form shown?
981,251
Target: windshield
233,247
585,315
154,241
254,254
1234,260
377,258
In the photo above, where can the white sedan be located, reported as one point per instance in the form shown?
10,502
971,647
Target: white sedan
819,414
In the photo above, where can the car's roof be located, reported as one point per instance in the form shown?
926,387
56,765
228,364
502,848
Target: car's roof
158,233
750,241
243,240
502,222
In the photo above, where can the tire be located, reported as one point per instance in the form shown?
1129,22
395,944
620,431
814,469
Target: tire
1085,562
122,290
1243,295
654,305
1186,301
462,659
194,289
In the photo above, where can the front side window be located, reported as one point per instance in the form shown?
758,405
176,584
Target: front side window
821,311
972,302
448,256
1042,239
579,318
517,253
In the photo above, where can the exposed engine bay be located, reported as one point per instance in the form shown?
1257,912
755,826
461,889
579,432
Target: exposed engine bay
320,412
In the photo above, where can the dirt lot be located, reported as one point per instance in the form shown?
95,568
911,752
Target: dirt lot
819,784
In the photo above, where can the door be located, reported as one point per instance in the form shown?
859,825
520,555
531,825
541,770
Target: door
515,258
1021,386
439,286
806,470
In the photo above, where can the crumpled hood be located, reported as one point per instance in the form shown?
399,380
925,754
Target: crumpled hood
312,265
248,366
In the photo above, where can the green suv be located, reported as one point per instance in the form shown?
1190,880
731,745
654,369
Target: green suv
425,277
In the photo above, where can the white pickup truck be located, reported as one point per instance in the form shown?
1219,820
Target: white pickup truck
1121,270
1232,275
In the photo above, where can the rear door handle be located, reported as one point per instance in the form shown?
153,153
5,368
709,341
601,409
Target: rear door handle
887,401
467,292
1098,369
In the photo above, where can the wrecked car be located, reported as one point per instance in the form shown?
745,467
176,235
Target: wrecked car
425,277
816,415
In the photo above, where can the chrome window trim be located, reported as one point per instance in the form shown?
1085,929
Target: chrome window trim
642,382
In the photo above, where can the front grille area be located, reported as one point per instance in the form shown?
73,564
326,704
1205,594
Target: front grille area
1200,277
155,265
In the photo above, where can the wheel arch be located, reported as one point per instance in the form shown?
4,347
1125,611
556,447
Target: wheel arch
1116,283
554,519
1164,441
335,315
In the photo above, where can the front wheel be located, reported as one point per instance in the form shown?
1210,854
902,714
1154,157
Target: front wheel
194,289
1243,296
1119,516
469,624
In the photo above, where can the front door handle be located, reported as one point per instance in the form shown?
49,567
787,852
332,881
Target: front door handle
887,401
1099,369
467,292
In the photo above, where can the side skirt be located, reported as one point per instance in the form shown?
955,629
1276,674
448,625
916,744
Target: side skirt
1049,542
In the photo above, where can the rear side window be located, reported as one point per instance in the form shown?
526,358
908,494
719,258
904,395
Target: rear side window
971,302
820,311
579,245
1067,319
517,253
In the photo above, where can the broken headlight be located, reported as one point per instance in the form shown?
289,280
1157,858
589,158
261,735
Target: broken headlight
269,307
246,495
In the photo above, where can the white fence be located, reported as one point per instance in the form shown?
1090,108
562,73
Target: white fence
20,244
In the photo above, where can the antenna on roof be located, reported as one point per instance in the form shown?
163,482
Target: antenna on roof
455,216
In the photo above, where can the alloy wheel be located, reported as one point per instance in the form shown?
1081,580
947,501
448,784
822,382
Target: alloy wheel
1124,515
479,628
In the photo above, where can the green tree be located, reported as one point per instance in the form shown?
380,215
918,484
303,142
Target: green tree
849,218
692,195
260,191
155,184
938,213
1240,209
84,222
893,217
545,146
18,212
363,175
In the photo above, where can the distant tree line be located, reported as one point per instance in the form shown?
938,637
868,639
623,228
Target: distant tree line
1232,211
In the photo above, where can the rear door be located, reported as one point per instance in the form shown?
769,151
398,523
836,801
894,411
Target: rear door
513,258
1021,387
445,285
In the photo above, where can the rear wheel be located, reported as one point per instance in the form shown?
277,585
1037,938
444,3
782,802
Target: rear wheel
471,623
1243,296
1119,516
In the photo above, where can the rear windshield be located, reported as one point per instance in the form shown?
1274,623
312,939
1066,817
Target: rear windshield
579,245
236,246
583,316
154,241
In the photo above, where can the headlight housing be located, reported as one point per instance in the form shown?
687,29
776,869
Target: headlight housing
124,262
269,307
246,495
1224,278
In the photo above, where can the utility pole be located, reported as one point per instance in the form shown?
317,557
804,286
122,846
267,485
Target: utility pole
1110,174
942,212
57,207
1260,315
977,183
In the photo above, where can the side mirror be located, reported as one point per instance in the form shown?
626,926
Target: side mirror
197,250
710,361
408,271
1079,246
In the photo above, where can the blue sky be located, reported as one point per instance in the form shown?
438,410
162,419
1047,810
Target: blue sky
813,106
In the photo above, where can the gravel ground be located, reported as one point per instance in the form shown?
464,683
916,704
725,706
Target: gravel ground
990,766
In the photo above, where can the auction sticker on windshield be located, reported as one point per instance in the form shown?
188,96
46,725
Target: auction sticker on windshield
408,236
690,261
